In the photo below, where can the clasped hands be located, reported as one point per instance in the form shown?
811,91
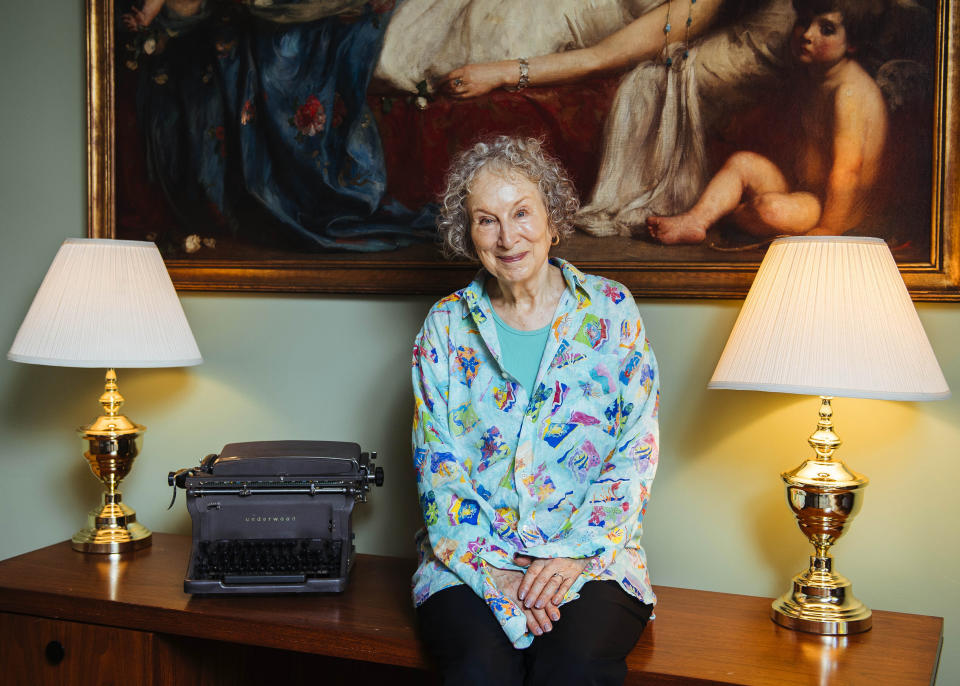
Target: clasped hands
540,589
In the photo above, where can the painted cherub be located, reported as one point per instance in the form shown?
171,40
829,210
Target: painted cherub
843,131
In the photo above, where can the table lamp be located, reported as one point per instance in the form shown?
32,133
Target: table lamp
828,316
110,304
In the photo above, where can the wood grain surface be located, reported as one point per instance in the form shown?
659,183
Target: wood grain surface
699,637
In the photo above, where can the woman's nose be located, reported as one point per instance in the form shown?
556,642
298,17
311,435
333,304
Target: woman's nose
508,234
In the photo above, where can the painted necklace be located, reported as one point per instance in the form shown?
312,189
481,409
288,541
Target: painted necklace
686,36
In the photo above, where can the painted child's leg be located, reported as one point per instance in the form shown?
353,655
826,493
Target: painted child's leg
744,175
777,214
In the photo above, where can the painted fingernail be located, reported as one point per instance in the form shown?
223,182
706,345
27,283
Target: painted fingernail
522,594
526,604
540,605
555,617
537,631
548,627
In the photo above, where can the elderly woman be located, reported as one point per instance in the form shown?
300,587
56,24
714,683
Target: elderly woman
535,441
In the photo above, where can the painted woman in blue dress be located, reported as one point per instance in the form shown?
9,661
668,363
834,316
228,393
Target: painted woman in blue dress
258,111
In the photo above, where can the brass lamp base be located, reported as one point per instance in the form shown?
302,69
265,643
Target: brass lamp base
825,496
821,602
112,443
113,528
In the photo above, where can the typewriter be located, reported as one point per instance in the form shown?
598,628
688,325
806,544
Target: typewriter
274,516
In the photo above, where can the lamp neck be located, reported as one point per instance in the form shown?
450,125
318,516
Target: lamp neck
824,441
111,398
111,423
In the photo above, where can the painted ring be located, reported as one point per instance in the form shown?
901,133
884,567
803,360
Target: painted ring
562,579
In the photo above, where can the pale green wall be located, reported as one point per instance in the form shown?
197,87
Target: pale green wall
277,367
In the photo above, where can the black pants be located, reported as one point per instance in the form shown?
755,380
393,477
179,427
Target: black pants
588,645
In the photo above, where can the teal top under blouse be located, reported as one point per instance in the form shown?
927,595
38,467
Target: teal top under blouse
522,350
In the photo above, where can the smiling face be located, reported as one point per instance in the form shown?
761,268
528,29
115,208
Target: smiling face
820,39
509,226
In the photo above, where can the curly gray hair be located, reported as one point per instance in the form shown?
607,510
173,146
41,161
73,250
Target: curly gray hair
525,156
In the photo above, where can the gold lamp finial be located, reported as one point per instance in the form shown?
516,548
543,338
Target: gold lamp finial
824,440
111,398
111,423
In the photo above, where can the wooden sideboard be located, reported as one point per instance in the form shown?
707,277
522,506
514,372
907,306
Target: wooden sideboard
73,618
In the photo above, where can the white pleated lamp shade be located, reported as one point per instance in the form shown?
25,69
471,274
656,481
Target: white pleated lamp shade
106,303
831,316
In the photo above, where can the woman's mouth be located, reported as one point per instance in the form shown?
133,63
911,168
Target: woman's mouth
509,259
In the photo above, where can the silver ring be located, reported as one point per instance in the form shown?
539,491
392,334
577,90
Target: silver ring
562,579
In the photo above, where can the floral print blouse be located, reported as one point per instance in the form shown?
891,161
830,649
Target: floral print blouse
564,471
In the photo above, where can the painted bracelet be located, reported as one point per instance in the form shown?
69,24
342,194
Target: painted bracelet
524,80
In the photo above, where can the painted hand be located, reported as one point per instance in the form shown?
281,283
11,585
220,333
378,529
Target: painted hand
135,20
473,80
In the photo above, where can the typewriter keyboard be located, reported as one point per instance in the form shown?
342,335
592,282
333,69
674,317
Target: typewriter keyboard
268,560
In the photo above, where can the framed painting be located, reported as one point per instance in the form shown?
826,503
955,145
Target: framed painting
300,146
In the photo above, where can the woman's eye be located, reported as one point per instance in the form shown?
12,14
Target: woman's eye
827,29
485,221
521,213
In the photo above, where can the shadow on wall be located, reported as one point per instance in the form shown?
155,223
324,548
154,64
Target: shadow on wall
780,542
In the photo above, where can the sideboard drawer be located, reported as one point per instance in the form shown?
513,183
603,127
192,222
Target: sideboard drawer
59,653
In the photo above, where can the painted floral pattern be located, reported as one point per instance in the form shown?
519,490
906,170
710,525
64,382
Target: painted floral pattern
219,136
382,6
311,117
562,471
248,113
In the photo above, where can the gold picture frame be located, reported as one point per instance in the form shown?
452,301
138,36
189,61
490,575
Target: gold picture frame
934,278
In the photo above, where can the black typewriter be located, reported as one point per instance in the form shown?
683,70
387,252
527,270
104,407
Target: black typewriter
274,516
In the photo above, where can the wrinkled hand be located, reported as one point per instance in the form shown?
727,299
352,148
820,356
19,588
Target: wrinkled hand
546,581
473,80
538,620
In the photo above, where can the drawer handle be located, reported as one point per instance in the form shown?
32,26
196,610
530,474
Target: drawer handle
54,652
